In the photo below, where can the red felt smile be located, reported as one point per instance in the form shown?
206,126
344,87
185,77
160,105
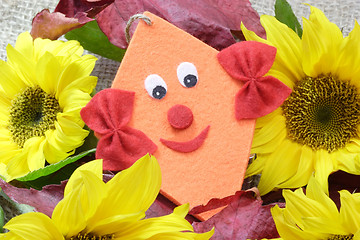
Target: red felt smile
188,146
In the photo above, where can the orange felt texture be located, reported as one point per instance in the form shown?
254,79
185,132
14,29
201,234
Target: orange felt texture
216,169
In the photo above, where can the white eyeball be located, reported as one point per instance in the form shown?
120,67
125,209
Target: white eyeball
187,74
155,86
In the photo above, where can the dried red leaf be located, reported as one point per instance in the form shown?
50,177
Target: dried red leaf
214,203
53,25
244,218
209,20
43,201
68,15
72,7
163,206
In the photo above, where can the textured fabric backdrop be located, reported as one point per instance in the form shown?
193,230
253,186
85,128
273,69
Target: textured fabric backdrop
16,16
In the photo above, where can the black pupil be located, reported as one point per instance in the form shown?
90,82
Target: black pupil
159,92
190,80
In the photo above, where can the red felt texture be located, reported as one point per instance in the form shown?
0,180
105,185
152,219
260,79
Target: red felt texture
248,62
180,116
108,114
188,146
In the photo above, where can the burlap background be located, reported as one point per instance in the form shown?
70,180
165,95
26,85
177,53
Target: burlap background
16,16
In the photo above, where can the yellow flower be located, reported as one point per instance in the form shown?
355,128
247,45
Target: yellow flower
92,209
317,127
43,86
314,216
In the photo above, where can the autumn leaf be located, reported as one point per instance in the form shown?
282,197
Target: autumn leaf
209,20
43,201
68,15
72,7
53,25
163,206
244,218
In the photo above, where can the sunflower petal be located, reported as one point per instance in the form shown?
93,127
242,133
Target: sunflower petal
94,166
47,73
350,210
323,167
69,215
35,152
324,225
299,207
134,189
288,43
348,61
356,235
147,228
71,47
42,46
117,224
304,170
183,236
73,100
32,226
92,191
353,146
68,135
321,41
18,165
281,168
24,68
76,75
256,166
5,106
285,228
80,202
11,84
348,162
57,48
313,191
265,136
24,44
251,36
9,148
52,151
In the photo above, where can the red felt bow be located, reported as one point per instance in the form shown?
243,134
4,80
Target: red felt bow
248,62
108,113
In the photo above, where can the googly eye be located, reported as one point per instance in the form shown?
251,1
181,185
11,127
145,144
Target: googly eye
155,86
187,74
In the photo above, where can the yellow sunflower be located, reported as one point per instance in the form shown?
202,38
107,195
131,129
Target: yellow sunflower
314,216
92,209
317,127
43,86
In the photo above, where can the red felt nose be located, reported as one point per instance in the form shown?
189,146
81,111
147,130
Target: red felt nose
180,116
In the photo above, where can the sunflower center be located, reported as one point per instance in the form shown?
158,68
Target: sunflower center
87,236
32,113
341,237
322,112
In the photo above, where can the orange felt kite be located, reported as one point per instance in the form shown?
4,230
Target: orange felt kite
182,106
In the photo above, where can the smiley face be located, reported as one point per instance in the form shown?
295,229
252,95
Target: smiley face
184,103
179,116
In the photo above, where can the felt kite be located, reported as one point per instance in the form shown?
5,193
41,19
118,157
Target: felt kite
173,98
